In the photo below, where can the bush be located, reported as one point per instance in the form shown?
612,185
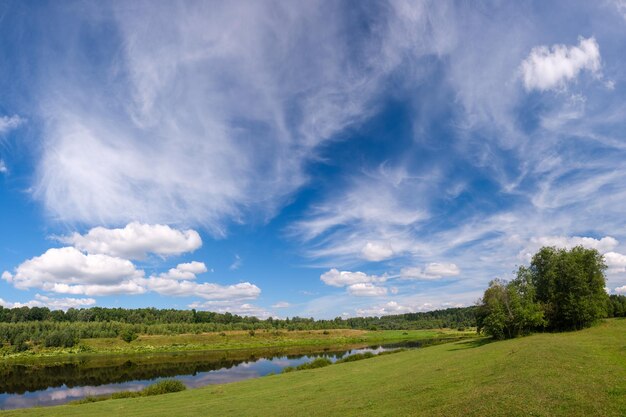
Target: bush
128,335
64,338
164,387
356,357
19,343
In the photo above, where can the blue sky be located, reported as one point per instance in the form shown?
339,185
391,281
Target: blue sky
315,158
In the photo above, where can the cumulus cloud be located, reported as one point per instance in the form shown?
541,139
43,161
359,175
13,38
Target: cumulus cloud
434,270
68,270
616,262
603,245
551,68
244,309
51,303
366,290
136,241
621,290
386,309
209,291
8,123
281,304
338,278
376,252
185,271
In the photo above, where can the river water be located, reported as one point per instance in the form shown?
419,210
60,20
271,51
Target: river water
27,385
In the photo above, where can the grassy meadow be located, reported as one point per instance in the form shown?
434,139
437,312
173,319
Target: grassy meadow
579,373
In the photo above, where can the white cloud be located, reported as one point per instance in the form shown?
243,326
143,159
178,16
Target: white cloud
8,123
620,5
244,309
236,263
338,278
51,303
621,290
281,304
209,291
550,68
616,262
366,290
67,270
372,220
603,245
391,307
434,270
3,167
135,241
216,110
186,271
376,252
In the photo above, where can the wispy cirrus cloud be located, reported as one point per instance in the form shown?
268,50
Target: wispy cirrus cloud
8,123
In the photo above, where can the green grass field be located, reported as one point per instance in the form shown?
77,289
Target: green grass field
568,374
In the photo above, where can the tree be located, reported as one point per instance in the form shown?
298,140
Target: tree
569,286
508,309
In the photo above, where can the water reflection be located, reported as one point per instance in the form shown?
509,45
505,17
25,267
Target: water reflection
36,385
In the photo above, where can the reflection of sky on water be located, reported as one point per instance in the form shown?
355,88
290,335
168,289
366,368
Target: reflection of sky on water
245,370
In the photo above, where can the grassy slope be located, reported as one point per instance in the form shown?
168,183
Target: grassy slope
570,374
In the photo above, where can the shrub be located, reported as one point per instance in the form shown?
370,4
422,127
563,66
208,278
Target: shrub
64,338
356,357
164,387
128,335
19,343
251,333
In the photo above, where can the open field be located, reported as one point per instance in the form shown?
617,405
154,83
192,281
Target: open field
567,374
233,340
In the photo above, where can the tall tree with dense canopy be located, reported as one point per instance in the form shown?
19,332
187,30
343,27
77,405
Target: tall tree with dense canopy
560,290
570,286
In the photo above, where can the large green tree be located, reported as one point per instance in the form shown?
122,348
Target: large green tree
569,286
560,290
508,309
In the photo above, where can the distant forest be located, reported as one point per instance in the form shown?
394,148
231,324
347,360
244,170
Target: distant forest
449,318
22,328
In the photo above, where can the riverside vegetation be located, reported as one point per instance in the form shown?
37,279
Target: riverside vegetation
560,290
580,373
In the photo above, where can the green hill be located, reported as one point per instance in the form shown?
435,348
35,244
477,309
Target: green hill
564,374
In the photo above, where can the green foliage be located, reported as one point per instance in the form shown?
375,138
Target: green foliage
128,335
164,387
616,306
509,309
317,363
356,357
570,286
64,338
560,290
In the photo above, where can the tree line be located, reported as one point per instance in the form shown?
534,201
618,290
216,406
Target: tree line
26,327
560,290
